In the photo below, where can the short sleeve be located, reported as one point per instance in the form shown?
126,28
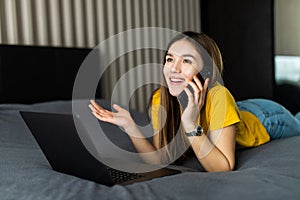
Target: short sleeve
222,110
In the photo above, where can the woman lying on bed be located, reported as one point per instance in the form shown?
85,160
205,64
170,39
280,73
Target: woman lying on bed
212,123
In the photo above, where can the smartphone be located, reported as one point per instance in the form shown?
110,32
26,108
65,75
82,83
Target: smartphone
202,76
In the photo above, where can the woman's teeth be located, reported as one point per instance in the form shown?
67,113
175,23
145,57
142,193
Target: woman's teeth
176,80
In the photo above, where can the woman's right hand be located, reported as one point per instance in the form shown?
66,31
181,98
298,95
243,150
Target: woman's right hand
191,114
120,118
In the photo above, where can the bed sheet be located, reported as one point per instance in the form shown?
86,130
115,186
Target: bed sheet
270,171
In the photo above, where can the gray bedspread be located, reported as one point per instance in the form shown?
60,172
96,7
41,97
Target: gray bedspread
271,171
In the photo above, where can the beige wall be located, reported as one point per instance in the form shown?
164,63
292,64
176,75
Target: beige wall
287,27
85,23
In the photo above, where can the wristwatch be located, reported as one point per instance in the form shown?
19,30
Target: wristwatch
198,131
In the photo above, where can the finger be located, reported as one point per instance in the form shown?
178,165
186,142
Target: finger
194,86
189,94
196,89
203,87
92,108
206,85
104,118
96,105
92,101
198,82
117,108
101,111
204,92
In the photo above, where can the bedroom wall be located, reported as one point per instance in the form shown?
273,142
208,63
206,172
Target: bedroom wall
287,27
287,53
244,31
85,23
250,33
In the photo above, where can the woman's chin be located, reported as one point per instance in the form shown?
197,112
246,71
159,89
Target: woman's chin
174,93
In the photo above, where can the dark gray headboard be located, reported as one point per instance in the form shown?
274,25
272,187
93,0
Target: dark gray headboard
30,74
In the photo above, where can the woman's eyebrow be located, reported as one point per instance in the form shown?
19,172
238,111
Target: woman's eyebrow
184,55
188,55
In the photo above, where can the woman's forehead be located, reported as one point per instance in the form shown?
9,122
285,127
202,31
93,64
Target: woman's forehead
183,48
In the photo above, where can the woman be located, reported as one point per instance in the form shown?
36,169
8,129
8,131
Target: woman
212,123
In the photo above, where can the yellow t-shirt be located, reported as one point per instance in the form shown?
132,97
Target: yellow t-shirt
220,110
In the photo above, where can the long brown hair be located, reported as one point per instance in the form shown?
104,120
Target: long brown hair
210,54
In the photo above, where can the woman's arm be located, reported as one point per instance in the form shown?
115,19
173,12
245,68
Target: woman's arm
123,119
216,150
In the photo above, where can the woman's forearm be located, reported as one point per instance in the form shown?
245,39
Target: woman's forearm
147,150
209,155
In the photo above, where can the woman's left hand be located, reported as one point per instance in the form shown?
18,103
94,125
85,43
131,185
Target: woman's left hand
121,117
196,101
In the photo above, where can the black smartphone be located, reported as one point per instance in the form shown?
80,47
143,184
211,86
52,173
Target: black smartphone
202,76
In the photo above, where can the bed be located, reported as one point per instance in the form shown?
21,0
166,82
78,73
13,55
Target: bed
270,171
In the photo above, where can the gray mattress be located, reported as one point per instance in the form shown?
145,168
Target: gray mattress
271,171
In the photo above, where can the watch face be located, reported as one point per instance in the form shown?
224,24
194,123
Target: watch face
197,132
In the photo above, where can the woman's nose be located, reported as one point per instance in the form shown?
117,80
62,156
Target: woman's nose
176,67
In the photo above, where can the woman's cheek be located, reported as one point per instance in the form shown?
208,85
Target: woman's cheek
165,71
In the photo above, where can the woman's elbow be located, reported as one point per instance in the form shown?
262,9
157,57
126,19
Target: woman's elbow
229,167
224,167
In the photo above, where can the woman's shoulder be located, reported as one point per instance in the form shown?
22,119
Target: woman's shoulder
218,89
220,94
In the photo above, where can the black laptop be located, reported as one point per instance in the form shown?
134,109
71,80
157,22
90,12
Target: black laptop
58,139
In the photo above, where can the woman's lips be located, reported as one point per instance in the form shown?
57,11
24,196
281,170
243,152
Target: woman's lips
175,85
176,80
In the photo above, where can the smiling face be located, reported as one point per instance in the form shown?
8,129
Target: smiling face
182,62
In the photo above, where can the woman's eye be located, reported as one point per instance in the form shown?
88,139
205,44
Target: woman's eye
169,59
187,61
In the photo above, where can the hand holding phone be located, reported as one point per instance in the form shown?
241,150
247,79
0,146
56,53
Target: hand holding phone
202,76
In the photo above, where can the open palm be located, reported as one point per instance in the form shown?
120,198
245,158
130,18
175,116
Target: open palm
120,118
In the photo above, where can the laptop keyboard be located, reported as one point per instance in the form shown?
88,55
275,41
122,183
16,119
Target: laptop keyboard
120,176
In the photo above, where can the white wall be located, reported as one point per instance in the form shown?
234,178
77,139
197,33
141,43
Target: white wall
287,27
